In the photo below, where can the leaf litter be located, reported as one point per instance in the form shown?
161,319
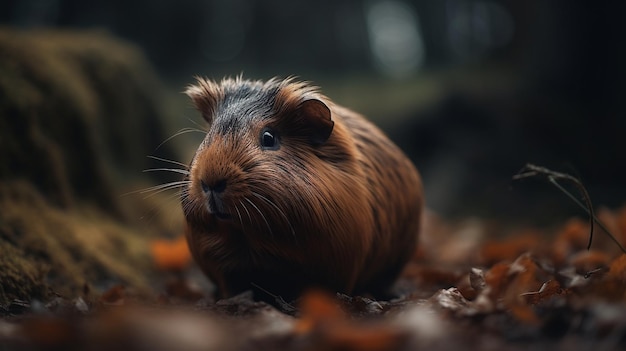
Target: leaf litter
540,288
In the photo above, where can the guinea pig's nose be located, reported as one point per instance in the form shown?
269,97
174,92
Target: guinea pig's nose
216,186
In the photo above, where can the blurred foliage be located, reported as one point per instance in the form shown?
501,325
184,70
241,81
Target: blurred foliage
79,113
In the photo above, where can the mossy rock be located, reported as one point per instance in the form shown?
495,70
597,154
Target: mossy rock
79,113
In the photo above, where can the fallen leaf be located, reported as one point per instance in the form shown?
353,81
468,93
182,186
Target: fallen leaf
548,289
114,296
587,261
477,279
317,308
523,279
171,255
613,285
328,327
512,247
496,279
571,238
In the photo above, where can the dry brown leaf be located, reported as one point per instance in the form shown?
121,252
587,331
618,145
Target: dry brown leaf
472,284
572,237
452,299
496,279
508,249
114,296
427,274
587,261
548,289
523,272
477,279
614,282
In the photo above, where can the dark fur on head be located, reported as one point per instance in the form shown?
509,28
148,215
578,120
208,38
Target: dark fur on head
294,215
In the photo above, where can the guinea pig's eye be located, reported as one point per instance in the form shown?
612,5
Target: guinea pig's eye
269,139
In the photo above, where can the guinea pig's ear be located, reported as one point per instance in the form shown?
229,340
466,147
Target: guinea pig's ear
316,118
205,96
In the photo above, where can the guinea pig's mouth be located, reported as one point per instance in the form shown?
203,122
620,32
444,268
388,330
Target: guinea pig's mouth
216,206
217,211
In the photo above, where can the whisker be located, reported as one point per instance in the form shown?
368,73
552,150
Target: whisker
153,190
174,196
246,209
175,170
187,204
293,232
159,187
165,186
262,216
240,219
161,191
164,207
169,161
198,125
180,132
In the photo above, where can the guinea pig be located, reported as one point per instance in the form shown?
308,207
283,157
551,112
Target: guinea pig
290,191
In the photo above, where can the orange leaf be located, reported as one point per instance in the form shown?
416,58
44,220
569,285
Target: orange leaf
496,279
509,249
330,329
423,273
573,237
171,255
587,261
524,280
317,308
366,338
616,278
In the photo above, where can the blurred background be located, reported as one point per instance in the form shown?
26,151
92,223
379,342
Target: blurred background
471,89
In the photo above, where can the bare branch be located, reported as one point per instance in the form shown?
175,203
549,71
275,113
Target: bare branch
553,177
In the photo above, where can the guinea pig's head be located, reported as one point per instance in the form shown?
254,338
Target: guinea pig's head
267,160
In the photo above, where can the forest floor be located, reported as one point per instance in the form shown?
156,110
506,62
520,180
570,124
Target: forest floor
539,289
84,268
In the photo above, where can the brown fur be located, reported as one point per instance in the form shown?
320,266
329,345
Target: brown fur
338,210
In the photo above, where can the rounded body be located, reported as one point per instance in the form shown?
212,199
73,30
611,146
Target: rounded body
289,191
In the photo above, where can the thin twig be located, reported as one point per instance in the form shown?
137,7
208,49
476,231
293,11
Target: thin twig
531,170
287,307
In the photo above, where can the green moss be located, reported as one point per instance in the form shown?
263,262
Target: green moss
21,278
79,113
78,247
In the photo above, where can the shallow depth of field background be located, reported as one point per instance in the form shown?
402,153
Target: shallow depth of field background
92,246
472,90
